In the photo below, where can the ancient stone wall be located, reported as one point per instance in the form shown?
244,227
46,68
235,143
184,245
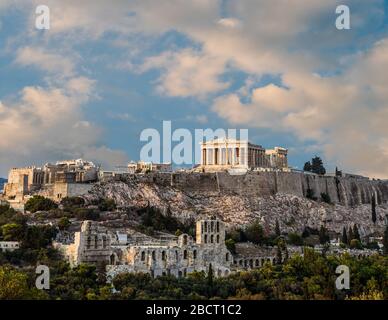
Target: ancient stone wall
343,190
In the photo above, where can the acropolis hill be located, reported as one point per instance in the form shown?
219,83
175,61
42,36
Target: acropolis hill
262,186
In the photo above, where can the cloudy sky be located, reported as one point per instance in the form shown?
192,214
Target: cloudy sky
106,70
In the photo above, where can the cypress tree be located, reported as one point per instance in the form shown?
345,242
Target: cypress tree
385,240
277,229
323,236
279,257
350,235
344,236
356,234
374,217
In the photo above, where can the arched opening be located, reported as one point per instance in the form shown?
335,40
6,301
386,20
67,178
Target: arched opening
195,254
218,226
142,256
227,256
180,274
205,226
95,242
176,255
218,238
211,239
164,255
104,242
205,238
262,261
185,240
153,255
257,263
185,254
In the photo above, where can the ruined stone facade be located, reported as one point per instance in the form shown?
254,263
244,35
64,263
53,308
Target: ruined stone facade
142,167
30,180
176,256
222,154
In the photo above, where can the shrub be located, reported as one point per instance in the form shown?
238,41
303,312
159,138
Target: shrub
39,203
87,214
355,244
325,197
295,239
310,194
107,205
73,202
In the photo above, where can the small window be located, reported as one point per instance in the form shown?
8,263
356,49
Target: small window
211,239
218,238
153,255
185,254
195,254
163,255
142,256
227,256
205,238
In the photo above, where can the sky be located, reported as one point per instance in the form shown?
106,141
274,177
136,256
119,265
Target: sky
107,70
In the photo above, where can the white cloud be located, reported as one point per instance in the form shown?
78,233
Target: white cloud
344,114
187,73
46,61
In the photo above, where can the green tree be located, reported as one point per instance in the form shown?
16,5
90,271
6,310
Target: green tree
307,166
355,244
317,166
374,217
255,233
385,240
310,194
325,197
107,205
323,235
277,229
356,234
13,284
12,232
279,257
231,245
344,238
39,203
210,276
295,239
350,235
64,223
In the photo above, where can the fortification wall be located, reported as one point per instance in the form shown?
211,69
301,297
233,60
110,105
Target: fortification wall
347,191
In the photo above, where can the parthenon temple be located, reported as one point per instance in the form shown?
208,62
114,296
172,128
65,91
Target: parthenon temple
220,154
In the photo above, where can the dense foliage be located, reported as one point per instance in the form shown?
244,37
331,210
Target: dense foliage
39,203
309,277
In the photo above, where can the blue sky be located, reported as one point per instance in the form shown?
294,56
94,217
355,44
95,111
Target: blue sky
102,73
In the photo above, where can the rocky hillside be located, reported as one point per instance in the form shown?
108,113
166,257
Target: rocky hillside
293,212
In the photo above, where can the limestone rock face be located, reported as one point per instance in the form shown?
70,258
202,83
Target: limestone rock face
188,200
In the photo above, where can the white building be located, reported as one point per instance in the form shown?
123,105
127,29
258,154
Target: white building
9,245
222,154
